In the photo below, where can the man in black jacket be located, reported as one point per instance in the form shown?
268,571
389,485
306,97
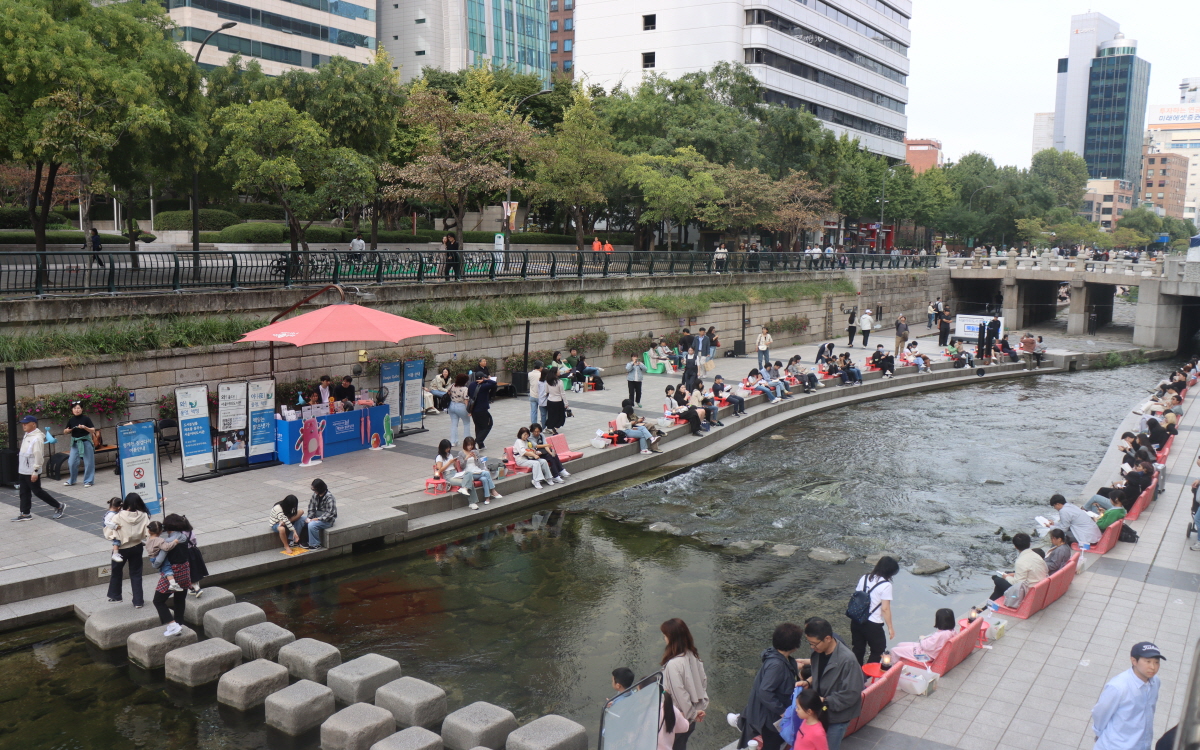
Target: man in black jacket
836,676
773,686
481,394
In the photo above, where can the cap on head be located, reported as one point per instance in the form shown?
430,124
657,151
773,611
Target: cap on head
28,418
1146,650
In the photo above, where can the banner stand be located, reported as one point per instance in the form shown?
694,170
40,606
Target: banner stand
137,455
196,433
412,401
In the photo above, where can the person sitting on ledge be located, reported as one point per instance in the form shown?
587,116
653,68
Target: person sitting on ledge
1110,516
1029,569
807,377
672,407
719,390
884,360
659,353
1101,503
755,382
633,426
850,374
929,646
1060,552
1075,523
1157,433
284,515
698,400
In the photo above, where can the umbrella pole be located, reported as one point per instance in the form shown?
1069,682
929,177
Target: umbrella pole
309,298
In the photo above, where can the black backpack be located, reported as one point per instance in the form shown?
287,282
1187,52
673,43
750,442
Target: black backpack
1127,535
859,609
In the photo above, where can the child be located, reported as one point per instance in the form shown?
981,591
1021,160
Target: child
810,707
929,646
110,522
157,547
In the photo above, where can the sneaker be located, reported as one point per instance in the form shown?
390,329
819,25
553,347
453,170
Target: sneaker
558,480
473,506
653,440
639,406
487,501
656,450
820,384
68,484
113,600
87,484
646,452
173,629
313,547
117,557
564,473
24,517
174,587
62,509
537,485
497,496
196,591
733,719
1195,547
463,491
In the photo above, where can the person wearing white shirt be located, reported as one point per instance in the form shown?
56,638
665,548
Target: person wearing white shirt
866,324
1123,717
1075,522
357,247
1029,568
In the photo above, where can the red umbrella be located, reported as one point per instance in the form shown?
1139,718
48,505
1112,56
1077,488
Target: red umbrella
343,322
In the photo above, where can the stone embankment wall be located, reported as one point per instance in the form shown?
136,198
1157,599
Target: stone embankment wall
155,374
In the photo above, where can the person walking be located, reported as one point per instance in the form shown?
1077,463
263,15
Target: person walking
771,693
480,407
534,378
128,530
97,248
836,676
683,677
596,245
556,402
322,512
720,257
30,459
763,344
358,248
866,324
81,429
943,328
852,327
691,368
172,616
932,313
458,409
901,333
635,370
877,585
1123,717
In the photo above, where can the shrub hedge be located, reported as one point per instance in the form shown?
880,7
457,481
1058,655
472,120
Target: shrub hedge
211,220
244,234
17,217
65,237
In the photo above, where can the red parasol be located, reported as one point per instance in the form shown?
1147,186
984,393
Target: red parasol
343,322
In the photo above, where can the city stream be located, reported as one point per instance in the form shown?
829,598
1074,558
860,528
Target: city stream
534,612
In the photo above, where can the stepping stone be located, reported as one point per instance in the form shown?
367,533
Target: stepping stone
413,702
300,707
356,727
203,662
212,598
111,626
822,554
357,680
478,725
309,659
247,686
225,622
549,733
413,738
262,641
149,648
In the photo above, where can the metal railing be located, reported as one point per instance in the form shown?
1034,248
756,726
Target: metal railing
1150,268
82,272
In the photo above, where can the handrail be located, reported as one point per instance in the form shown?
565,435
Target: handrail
26,272
1148,268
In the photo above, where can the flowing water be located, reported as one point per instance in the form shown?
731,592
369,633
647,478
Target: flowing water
533,613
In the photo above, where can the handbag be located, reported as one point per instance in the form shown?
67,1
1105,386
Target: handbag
709,366
97,441
1015,595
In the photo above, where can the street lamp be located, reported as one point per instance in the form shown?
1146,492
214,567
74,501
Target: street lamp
882,203
971,203
508,188
196,173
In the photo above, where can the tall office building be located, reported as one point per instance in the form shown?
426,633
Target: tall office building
562,38
280,34
1164,181
453,34
1100,100
843,60
1043,131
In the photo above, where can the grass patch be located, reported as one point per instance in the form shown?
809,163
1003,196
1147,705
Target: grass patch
684,306
1113,360
125,337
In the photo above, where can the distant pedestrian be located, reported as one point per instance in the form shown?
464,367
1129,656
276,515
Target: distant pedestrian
596,245
771,693
322,513
97,248
635,370
943,328
901,333
128,533
608,248
763,344
931,312
1123,717
80,428
852,327
30,459
480,406
720,257
866,324
683,677
358,248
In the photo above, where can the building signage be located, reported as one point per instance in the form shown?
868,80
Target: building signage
1172,116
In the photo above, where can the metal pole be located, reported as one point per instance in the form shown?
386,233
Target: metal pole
527,346
508,174
196,174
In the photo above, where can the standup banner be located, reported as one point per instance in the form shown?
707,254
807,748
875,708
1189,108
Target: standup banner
191,403
414,392
389,378
261,398
137,450
231,421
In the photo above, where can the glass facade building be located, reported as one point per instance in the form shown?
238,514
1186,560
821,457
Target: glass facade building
1118,85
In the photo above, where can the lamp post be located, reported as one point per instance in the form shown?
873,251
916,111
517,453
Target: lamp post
196,174
508,188
882,203
971,203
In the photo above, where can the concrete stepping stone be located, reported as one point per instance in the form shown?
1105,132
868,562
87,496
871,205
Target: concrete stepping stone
262,641
225,622
149,648
356,727
413,738
357,680
413,702
549,733
478,725
299,707
309,659
212,598
203,662
111,626
247,686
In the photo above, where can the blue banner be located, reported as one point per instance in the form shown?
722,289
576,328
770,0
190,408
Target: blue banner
137,452
413,405
195,432
261,403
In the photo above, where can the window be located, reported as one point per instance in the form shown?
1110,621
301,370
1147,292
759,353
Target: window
395,37
554,46
1149,183
568,4
1108,199
1162,172
1151,159
568,45
1106,211
420,20
420,52
647,59
553,6
770,20
569,24
1160,195
554,25
1120,212
1162,183
567,65
649,22
553,66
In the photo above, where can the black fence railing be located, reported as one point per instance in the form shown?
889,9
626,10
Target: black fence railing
82,272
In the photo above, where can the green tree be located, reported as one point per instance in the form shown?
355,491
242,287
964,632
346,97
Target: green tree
1143,221
1065,173
676,188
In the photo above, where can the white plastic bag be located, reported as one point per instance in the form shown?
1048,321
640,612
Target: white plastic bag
599,442
918,681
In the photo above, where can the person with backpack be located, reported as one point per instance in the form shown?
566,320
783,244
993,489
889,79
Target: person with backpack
771,693
870,609
836,677
852,327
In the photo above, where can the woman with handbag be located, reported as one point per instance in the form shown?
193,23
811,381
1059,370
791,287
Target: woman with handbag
181,571
556,402
83,435
763,343
458,409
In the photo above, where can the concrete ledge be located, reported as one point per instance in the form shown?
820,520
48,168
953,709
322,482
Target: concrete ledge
111,627
149,648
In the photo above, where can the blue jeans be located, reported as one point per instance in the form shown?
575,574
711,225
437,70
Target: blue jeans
1098,504
764,358
458,413
737,402
779,386
314,531
766,391
467,479
834,733
533,410
85,449
166,568
931,317
1196,523
642,434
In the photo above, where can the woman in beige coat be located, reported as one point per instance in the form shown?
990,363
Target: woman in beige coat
128,535
683,676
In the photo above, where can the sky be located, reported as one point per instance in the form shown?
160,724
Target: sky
982,68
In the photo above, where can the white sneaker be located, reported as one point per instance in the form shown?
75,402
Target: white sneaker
564,473
473,506
821,383
173,629
174,587
487,501
463,491
653,440
116,557
497,496
537,485
559,480
1195,547
646,452
733,719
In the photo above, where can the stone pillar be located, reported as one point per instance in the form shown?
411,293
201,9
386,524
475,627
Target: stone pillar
1077,314
1013,305
1158,317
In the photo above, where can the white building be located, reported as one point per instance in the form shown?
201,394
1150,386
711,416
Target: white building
1189,91
1175,129
281,34
843,60
1043,131
456,34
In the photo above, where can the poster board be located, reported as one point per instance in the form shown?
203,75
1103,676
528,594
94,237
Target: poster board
232,421
968,326
413,406
137,452
260,401
195,431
